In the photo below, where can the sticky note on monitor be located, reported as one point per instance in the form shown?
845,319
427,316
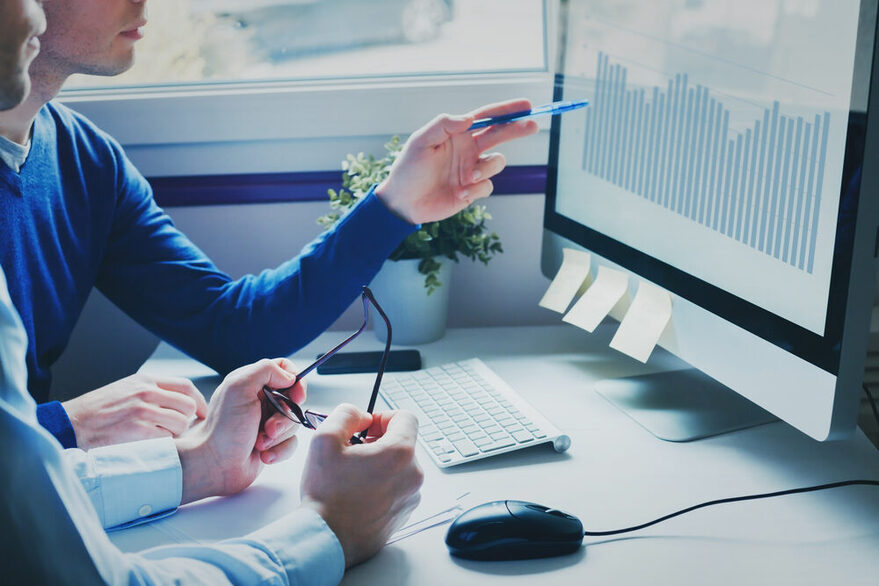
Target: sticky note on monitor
609,287
644,323
569,279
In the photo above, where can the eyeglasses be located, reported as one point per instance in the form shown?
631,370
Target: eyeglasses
311,419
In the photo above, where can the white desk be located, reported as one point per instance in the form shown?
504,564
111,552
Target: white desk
615,475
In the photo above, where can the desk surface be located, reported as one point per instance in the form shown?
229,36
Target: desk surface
615,475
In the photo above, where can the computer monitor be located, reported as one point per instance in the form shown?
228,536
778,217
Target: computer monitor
728,157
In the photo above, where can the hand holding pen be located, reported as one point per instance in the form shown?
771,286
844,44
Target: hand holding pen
444,167
547,109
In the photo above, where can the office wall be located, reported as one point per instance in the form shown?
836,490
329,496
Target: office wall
107,345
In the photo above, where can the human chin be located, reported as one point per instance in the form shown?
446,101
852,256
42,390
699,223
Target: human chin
119,63
14,88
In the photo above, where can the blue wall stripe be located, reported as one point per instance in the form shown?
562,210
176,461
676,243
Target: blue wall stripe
302,186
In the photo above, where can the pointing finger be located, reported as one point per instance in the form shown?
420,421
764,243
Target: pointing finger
501,108
500,133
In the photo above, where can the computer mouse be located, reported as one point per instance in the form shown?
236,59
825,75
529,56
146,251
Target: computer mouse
513,530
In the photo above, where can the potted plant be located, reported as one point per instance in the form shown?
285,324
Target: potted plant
413,284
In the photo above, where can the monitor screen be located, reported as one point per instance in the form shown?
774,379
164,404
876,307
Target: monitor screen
721,157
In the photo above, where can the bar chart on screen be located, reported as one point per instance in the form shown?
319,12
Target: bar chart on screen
709,127
759,184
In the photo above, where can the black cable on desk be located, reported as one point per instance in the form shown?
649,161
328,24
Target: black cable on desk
734,500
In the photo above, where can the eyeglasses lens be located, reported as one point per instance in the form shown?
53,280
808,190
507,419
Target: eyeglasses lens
281,405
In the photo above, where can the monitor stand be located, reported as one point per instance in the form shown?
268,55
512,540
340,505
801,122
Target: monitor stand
682,405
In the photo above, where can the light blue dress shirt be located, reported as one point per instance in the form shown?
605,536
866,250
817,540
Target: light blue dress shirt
51,532
130,483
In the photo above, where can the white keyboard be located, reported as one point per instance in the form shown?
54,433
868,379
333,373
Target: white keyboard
467,412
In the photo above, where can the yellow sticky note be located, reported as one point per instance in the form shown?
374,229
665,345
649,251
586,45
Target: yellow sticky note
644,323
609,287
569,279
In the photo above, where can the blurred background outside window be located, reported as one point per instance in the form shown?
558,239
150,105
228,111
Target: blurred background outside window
227,41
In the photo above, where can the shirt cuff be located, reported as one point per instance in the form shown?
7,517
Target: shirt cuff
139,481
306,546
54,418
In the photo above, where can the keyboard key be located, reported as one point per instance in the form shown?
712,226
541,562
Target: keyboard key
431,436
522,436
457,436
499,444
483,442
447,446
466,447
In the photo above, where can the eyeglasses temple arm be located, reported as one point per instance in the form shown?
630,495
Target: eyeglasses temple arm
381,369
339,346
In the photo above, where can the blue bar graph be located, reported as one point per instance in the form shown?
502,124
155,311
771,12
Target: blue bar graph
675,147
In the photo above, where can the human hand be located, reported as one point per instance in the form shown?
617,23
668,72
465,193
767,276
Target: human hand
224,454
137,407
442,168
364,492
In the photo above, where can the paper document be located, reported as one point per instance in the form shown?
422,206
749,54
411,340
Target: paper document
644,323
609,287
569,279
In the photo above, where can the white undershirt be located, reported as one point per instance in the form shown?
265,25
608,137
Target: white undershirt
14,154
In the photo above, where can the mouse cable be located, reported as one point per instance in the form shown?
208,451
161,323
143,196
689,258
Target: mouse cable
734,500
872,402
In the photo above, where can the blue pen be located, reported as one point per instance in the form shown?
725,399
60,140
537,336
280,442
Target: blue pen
551,109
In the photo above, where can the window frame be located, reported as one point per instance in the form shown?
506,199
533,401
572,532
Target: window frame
304,125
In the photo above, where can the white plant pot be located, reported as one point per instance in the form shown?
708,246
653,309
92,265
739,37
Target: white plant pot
416,317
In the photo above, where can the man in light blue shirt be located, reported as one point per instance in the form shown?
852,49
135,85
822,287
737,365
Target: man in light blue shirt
51,532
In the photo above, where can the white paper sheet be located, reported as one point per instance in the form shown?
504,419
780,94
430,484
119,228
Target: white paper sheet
609,287
644,323
569,279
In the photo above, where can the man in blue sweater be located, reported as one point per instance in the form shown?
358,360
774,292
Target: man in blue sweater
44,507
77,214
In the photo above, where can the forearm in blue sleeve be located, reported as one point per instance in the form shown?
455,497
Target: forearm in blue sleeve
160,278
53,417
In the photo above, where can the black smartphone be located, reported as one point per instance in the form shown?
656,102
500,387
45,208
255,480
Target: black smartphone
353,362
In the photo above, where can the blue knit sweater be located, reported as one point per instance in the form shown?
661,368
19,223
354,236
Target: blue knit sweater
79,215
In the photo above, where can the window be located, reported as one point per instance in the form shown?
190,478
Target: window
231,86
196,41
